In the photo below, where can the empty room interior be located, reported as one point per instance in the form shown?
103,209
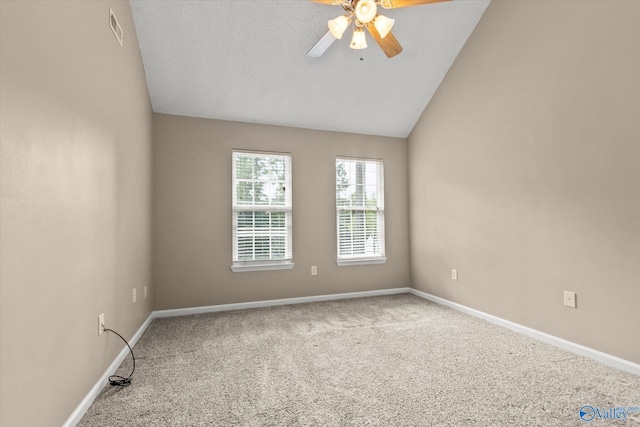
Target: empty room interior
442,228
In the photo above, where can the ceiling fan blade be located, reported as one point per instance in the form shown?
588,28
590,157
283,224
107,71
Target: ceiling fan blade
395,4
389,44
321,45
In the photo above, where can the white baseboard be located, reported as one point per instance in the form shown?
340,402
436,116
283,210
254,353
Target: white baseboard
275,302
604,358
82,408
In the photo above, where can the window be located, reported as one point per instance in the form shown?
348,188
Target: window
261,211
360,211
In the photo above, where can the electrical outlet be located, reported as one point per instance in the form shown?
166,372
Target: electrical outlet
101,324
314,270
454,274
115,26
145,292
134,295
570,299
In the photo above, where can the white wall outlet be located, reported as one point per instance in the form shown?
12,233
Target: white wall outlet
314,270
454,274
570,299
134,295
145,292
115,26
100,324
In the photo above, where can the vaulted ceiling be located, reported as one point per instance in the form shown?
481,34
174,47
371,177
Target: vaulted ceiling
245,60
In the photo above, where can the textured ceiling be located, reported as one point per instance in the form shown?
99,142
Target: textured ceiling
245,60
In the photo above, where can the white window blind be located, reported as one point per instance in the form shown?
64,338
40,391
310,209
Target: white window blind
360,211
261,209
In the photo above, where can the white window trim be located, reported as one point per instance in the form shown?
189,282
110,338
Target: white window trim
361,261
263,265
239,266
365,259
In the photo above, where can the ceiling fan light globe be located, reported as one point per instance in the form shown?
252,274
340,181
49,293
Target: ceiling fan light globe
383,25
359,41
338,26
366,10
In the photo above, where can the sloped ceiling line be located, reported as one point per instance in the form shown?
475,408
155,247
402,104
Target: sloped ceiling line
246,61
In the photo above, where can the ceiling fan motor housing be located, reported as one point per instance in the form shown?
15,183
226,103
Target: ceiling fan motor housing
366,16
365,10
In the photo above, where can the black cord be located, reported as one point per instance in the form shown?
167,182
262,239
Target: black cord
117,379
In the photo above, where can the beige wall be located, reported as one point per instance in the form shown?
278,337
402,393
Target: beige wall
75,201
524,175
192,208
525,172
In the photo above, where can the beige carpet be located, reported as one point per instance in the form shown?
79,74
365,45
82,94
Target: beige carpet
384,361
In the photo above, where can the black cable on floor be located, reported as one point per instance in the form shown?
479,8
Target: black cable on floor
118,380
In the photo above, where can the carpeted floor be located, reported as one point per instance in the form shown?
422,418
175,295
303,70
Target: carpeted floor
384,361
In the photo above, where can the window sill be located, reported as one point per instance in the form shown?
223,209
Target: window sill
239,268
361,261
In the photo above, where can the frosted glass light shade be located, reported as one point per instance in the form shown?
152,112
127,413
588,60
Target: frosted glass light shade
366,10
358,41
338,26
383,25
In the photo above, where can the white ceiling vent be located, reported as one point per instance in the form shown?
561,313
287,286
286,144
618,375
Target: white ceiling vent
115,26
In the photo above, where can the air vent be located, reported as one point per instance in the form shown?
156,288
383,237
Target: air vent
115,26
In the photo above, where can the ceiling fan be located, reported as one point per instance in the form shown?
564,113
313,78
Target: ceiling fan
364,14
